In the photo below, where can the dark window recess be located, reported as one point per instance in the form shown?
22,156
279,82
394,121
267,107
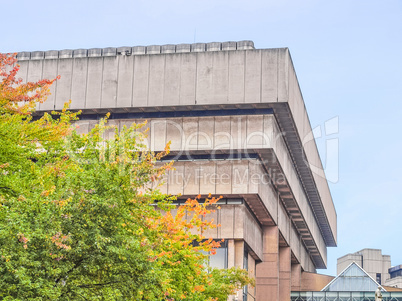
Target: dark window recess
168,114
223,201
193,157
171,114
378,278
396,273
220,258
245,266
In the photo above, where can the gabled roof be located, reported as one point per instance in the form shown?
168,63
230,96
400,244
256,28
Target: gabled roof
353,279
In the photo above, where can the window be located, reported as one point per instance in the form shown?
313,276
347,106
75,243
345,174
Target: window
245,266
378,278
220,259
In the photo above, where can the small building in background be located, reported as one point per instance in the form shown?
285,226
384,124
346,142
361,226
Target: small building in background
371,260
395,274
377,265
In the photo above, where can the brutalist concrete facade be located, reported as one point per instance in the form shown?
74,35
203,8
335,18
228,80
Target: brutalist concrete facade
239,128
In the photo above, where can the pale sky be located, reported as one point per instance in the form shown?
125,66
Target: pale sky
348,59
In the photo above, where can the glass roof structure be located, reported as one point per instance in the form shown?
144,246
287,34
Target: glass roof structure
343,296
353,284
352,279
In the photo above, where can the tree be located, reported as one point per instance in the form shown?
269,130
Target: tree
79,219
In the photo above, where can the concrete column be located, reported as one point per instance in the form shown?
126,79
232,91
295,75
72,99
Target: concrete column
296,277
239,253
239,257
284,273
231,253
267,272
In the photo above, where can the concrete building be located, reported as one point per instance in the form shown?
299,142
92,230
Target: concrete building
395,279
239,128
377,265
371,260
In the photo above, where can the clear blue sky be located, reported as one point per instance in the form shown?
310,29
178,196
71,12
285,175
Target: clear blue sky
348,58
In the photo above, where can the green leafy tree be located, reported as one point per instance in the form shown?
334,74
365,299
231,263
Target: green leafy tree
80,218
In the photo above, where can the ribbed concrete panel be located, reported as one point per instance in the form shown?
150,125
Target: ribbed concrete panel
156,80
34,72
80,53
240,177
206,133
174,133
252,84
192,175
239,212
23,56
226,46
157,134
204,85
255,132
294,242
222,134
168,48
198,47
220,77
225,185
51,54
188,74
243,45
284,223
153,49
63,91
24,64
66,53
176,180
283,74
236,78
109,82
269,75
269,137
227,224
23,72
213,232
79,83
269,198
183,48
238,131
253,234
50,71
171,86
141,81
190,134
37,55
254,168
139,50
207,180
94,83
125,81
